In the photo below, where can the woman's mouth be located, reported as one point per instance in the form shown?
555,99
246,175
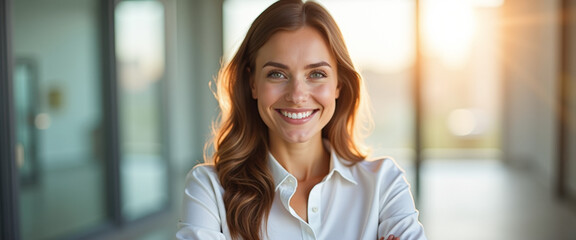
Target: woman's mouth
297,116
294,115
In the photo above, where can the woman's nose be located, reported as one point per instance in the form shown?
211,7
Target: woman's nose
298,91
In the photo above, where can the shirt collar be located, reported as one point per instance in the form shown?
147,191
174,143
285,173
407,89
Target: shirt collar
337,165
278,172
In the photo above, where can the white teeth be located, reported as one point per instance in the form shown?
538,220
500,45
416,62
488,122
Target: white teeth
299,115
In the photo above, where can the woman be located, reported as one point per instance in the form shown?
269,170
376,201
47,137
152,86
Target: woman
286,161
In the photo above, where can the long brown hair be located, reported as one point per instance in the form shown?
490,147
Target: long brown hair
241,137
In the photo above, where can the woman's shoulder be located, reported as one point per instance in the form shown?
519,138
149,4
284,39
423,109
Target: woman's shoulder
202,173
383,174
380,164
379,167
203,168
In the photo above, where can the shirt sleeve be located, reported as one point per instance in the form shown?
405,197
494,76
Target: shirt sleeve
200,212
398,215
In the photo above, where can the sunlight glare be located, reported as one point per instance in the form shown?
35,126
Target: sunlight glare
487,3
448,30
465,122
379,34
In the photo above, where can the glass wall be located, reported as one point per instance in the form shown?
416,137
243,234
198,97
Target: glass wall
58,79
461,78
571,172
140,53
57,87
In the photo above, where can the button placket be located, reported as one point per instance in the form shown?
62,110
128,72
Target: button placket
287,189
315,208
308,233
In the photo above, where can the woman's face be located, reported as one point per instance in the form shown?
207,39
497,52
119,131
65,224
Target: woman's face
296,85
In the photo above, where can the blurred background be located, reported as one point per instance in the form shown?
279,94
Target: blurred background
106,106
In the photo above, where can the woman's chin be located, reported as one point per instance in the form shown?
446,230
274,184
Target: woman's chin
299,137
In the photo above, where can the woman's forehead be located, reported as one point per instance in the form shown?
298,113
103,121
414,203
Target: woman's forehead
303,46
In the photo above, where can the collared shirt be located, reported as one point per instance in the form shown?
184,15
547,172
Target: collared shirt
367,200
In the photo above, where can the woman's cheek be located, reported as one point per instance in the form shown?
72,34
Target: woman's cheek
325,93
269,93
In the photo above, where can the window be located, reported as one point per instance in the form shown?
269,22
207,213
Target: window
59,117
140,54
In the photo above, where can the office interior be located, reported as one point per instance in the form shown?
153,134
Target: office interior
107,104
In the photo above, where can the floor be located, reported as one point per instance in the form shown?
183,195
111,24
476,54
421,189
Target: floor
484,199
72,200
63,201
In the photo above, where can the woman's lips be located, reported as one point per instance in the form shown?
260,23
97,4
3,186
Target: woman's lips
297,116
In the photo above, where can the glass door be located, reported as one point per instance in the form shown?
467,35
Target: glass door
58,105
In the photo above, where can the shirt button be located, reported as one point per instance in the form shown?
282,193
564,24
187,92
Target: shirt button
315,209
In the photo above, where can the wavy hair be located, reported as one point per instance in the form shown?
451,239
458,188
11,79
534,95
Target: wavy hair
240,144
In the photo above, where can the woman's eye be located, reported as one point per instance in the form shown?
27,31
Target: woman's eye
317,75
277,75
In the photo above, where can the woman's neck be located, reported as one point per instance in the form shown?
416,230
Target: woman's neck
303,160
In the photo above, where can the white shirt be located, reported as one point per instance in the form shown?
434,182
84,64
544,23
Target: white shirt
368,200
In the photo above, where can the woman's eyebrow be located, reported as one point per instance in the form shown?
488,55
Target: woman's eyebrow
275,64
283,66
319,64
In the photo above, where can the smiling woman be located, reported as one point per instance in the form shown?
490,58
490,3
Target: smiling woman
286,162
